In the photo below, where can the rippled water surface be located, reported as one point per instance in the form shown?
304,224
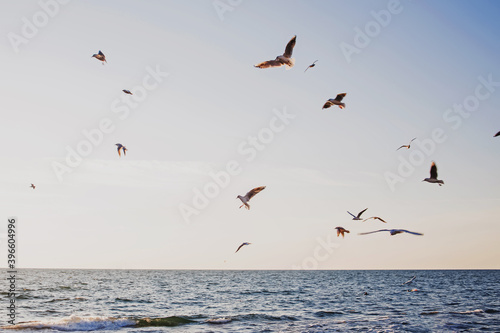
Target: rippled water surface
255,301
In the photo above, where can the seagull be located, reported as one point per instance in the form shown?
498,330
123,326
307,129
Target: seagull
33,186
375,218
336,101
243,244
356,218
245,199
127,91
311,65
496,134
393,232
123,148
285,59
434,175
100,56
410,280
407,146
341,231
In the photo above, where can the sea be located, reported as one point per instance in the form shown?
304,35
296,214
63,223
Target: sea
253,301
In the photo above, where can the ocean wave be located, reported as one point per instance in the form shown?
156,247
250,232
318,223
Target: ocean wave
258,317
58,300
327,313
429,313
469,312
75,323
24,296
85,324
127,300
167,321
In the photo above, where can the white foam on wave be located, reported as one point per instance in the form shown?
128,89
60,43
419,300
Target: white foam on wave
218,320
469,312
75,323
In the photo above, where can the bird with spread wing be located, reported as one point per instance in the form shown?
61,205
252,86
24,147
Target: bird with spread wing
282,60
246,198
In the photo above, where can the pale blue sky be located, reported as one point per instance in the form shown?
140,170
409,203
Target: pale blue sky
112,212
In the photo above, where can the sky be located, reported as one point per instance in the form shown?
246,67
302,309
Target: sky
204,126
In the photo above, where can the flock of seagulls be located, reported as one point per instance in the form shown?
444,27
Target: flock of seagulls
286,60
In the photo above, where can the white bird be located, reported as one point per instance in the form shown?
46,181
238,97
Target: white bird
407,146
123,148
341,231
100,56
311,65
434,176
375,218
336,101
410,280
281,60
393,232
356,218
243,244
245,199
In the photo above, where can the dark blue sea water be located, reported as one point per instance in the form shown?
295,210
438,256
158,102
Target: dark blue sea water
255,301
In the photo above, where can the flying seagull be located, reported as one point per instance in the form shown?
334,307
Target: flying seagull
407,146
245,199
410,280
311,65
434,175
356,218
100,56
496,134
123,148
33,186
375,218
243,244
127,91
341,231
285,59
393,232
336,101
